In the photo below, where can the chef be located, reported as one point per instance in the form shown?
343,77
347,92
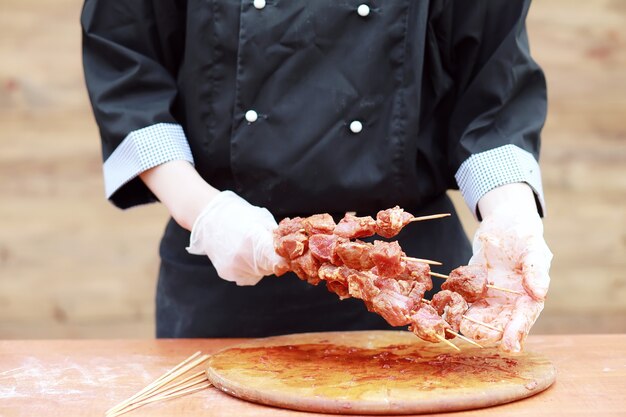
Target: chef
235,113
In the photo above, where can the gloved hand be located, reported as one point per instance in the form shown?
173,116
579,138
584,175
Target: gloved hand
510,244
237,238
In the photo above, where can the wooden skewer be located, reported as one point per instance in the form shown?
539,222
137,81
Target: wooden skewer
444,340
430,217
471,319
180,372
494,287
166,378
162,395
162,398
179,392
438,275
153,384
162,389
425,261
460,336
489,326
178,387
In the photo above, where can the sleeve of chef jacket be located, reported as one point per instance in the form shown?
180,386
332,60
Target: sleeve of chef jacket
500,106
130,61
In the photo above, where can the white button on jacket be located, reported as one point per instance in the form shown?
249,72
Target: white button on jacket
363,10
259,4
356,126
251,116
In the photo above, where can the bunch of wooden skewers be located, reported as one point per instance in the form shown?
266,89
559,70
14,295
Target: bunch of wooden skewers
181,380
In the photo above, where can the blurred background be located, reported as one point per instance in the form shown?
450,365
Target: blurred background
73,266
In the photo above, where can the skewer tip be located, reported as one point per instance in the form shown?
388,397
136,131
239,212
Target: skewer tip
446,341
467,339
424,261
438,275
429,217
494,287
489,326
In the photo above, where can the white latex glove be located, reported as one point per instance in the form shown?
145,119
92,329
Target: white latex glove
237,238
510,244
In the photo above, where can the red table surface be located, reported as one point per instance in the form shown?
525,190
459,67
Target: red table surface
86,377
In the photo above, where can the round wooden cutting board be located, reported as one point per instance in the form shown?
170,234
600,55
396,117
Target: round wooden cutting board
374,372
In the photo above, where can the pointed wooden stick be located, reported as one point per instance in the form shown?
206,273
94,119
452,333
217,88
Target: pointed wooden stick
162,398
176,393
424,261
446,341
153,384
430,217
493,287
460,336
471,319
443,339
180,372
162,395
489,326
435,274
200,376
169,376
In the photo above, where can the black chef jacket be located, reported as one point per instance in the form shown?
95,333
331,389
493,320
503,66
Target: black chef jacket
432,82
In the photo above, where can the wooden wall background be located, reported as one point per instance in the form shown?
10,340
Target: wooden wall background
71,265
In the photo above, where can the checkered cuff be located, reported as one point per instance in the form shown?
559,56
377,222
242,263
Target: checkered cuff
144,149
487,170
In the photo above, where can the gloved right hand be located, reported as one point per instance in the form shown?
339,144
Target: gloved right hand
510,245
237,237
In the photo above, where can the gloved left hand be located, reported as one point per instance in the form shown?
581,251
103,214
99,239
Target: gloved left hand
510,244
237,237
